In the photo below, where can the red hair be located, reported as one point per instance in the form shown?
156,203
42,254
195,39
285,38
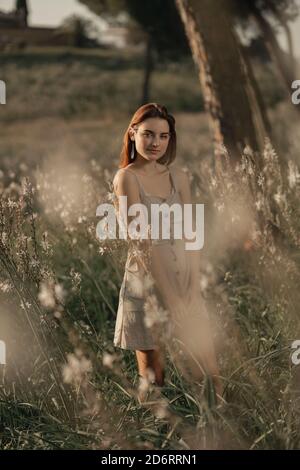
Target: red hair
149,110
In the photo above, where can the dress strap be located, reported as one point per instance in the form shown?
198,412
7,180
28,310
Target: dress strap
137,179
172,180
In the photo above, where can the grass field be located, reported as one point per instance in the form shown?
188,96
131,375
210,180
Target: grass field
65,386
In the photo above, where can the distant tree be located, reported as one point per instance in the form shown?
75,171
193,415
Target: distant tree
22,11
161,27
80,28
281,12
108,9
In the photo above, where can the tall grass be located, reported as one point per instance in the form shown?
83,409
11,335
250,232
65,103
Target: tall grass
65,385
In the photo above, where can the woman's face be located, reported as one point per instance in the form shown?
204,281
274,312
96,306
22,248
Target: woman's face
151,138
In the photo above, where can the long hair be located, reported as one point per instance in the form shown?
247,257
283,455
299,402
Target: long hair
149,110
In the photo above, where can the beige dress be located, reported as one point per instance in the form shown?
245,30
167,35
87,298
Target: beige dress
131,330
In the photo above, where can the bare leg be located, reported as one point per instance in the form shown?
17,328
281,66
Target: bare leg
151,360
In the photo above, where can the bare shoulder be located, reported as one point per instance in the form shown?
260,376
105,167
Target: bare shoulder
124,178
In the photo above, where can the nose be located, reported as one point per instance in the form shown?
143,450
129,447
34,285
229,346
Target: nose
156,141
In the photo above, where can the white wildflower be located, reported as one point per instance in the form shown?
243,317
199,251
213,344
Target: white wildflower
5,286
213,182
260,180
46,296
85,327
45,245
203,283
76,369
101,250
25,305
86,178
4,237
145,382
209,267
220,206
161,411
108,360
60,293
250,170
258,204
76,276
248,151
112,197
154,314
23,167
280,198
22,238
11,204
293,174
34,263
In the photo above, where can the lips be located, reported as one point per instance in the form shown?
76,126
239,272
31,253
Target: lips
153,151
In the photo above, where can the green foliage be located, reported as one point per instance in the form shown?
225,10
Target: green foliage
81,29
114,81
21,5
287,9
157,18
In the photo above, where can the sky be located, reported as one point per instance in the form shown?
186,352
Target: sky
52,13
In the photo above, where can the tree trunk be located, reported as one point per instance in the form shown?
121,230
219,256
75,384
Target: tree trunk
285,70
290,45
230,98
259,110
149,67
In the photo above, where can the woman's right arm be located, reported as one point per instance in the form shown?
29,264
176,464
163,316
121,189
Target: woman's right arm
125,184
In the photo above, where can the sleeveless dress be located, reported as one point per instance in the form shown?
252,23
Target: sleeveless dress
131,329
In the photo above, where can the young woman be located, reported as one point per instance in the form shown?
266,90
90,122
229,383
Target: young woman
145,177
